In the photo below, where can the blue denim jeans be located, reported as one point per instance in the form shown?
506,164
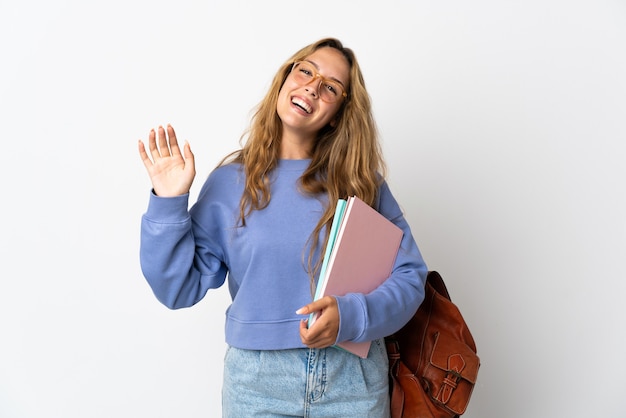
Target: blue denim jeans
308,383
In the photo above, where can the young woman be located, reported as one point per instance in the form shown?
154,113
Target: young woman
262,220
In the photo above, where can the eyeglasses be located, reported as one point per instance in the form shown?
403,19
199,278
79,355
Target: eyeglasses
329,90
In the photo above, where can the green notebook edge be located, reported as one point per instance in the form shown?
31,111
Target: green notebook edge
334,229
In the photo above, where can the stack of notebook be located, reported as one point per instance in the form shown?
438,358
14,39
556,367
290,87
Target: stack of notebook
359,257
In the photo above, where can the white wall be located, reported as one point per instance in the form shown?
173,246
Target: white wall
503,124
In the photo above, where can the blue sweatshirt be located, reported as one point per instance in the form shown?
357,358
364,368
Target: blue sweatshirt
185,252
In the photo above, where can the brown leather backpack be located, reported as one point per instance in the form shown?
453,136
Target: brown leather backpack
433,363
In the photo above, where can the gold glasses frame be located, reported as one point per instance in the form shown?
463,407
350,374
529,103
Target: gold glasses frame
306,79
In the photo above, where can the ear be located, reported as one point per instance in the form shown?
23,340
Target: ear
333,123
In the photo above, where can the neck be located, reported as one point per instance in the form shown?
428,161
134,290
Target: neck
295,147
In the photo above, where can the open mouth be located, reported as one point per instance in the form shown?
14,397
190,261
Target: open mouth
301,104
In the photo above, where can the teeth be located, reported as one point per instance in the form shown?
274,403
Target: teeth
301,104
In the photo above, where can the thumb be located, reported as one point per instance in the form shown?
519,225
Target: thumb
190,164
187,151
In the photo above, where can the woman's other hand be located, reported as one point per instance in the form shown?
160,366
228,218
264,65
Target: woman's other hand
324,331
171,172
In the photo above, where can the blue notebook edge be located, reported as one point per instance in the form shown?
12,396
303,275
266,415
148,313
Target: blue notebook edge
334,229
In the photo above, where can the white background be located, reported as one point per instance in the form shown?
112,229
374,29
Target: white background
503,123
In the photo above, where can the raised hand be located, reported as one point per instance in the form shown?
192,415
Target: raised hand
170,171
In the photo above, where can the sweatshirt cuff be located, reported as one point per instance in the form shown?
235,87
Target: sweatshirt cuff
168,209
351,317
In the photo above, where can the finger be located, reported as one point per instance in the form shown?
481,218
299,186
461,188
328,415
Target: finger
147,162
307,309
304,327
315,306
306,336
321,336
164,150
154,151
312,340
304,330
173,142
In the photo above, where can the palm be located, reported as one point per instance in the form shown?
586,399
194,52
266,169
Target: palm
171,172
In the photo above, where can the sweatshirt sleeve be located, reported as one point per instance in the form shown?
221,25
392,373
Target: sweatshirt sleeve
367,317
171,259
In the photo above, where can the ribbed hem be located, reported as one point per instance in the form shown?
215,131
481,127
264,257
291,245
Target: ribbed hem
263,335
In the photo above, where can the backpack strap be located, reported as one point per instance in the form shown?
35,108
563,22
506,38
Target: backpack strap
436,281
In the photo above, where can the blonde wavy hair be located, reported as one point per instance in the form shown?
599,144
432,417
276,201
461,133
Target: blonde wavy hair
346,159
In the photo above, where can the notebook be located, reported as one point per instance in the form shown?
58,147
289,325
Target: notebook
359,258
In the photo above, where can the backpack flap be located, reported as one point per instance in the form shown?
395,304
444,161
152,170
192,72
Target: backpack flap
452,372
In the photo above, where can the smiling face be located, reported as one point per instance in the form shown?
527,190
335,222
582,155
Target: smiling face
299,106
